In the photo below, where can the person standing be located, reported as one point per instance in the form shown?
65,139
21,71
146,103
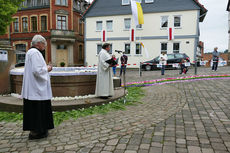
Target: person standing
183,68
115,66
215,59
104,84
163,62
124,60
36,91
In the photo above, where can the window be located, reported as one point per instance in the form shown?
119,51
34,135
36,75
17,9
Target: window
34,2
179,55
163,47
61,2
164,21
109,25
45,2
58,2
177,21
138,48
125,2
80,27
24,24
61,46
170,56
139,26
176,47
43,23
99,47
61,22
127,23
16,25
21,55
111,49
24,3
99,25
149,1
127,48
34,23
80,53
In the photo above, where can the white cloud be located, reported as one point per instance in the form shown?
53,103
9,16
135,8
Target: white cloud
214,29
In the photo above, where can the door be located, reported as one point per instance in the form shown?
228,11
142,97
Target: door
62,56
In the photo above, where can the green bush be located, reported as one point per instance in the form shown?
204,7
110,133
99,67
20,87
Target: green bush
62,64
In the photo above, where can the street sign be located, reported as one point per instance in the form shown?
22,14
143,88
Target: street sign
3,56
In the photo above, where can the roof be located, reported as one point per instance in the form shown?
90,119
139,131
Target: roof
114,7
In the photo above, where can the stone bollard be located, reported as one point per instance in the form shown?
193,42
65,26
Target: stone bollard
116,82
7,62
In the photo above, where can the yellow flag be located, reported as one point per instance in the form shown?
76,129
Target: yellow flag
140,13
137,12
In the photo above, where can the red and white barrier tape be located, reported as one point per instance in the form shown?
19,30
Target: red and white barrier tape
148,64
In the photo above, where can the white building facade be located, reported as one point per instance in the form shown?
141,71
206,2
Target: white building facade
153,33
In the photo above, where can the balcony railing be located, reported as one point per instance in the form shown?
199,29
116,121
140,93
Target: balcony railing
32,4
62,33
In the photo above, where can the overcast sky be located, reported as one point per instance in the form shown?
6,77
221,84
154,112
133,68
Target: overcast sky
214,28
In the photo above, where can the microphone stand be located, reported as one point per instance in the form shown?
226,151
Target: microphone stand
124,79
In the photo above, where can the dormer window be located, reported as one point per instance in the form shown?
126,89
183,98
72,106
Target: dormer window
62,2
164,21
125,2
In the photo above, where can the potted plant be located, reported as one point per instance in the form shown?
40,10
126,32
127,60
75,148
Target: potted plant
62,64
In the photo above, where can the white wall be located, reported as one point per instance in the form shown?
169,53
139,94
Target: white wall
151,27
153,47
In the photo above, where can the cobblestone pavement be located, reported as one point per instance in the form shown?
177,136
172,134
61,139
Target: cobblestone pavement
183,117
133,75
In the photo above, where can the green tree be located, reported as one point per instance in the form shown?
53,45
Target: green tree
7,9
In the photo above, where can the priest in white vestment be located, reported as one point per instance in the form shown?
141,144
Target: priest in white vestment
104,86
36,91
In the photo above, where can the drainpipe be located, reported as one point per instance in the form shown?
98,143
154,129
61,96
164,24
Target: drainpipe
196,40
84,42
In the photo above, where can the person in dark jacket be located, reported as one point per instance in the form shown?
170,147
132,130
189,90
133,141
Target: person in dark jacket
124,60
215,59
183,68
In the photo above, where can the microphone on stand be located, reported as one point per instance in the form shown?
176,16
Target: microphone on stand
118,51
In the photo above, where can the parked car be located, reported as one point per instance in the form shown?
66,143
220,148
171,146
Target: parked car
172,58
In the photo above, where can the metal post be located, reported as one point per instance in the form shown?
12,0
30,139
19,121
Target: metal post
195,66
124,81
140,70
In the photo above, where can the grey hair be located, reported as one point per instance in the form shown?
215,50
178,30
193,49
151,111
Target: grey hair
38,38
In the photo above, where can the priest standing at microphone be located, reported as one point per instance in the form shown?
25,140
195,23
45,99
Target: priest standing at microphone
104,85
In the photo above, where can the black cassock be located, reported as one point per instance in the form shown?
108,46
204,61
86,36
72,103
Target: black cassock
37,115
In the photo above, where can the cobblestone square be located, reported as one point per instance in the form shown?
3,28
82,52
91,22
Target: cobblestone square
185,117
